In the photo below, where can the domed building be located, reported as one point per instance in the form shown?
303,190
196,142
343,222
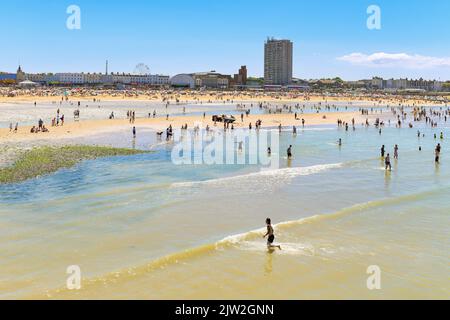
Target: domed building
211,80
28,84
183,80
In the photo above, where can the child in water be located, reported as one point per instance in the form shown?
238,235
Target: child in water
271,235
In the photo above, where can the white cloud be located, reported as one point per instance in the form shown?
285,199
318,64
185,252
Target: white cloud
398,60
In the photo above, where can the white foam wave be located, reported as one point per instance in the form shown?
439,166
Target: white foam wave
277,173
286,248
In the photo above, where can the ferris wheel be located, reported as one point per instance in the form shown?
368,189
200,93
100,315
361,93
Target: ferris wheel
142,69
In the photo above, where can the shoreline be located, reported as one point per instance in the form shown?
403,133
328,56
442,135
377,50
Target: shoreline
91,127
221,97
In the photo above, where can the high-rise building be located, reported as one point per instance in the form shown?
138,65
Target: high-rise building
278,62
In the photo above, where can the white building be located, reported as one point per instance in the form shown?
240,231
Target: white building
70,78
148,79
93,78
98,78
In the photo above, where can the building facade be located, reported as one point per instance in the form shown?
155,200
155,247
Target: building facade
278,62
404,84
98,79
240,78
210,80
183,81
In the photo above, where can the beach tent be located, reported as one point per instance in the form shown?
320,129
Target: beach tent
28,84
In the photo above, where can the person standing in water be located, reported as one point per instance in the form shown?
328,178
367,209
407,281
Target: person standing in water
396,152
289,152
134,132
382,151
271,235
437,153
388,162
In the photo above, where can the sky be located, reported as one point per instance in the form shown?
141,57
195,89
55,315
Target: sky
331,37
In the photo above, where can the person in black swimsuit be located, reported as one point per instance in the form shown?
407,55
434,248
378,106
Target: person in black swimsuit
271,235
289,153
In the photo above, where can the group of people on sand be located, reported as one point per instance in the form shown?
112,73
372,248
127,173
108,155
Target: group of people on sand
40,128
58,120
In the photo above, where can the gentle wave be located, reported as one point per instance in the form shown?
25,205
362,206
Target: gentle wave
247,241
286,173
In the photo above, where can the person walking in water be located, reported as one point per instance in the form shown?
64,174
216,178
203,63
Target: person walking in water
270,235
437,153
387,162
396,152
383,150
289,152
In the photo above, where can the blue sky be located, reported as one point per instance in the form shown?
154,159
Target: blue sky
330,36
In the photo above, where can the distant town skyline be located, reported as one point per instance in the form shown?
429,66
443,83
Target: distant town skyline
331,38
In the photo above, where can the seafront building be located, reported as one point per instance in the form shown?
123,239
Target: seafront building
99,79
87,78
215,80
212,79
278,55
241,77
405,84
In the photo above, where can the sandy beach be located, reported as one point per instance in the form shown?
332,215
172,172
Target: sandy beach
173,96
179,98
90,127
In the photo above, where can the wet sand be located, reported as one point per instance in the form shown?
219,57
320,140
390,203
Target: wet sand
90,127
